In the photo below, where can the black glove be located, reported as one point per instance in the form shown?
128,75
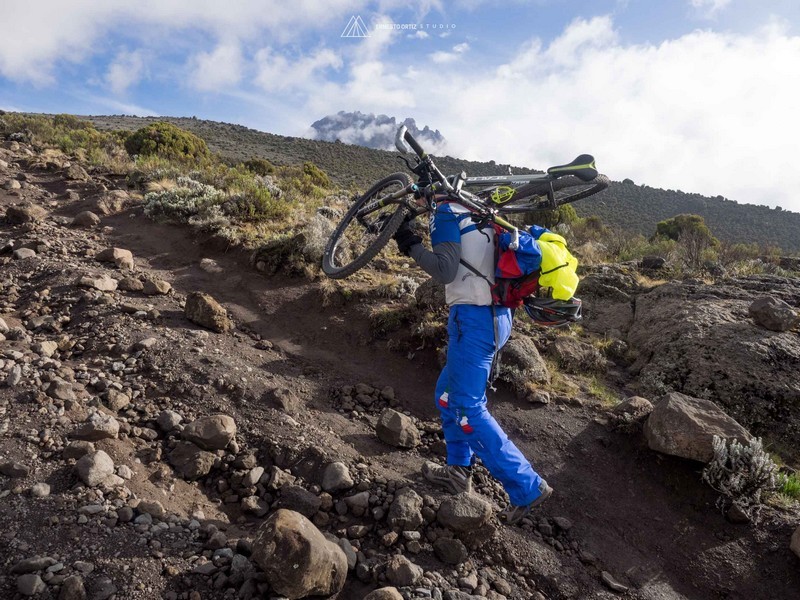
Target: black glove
406,238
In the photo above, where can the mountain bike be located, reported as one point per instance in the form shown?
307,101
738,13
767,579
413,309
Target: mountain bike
374,217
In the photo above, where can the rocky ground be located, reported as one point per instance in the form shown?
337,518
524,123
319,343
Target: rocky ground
176,425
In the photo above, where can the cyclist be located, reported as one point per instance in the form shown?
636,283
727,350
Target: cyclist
476,331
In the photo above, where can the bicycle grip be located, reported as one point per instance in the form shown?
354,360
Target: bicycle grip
414,144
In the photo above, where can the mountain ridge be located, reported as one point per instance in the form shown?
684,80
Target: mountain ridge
372,131
629,206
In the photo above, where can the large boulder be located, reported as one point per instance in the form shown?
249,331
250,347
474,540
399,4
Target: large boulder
575,356
191,462
97,469
336,478
396,429
296,558
213,432
405,513
25,213
697,339
464,512
773,314
684,426
203,310
521,365
402,572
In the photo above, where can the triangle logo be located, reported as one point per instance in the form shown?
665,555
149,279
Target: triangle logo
355,28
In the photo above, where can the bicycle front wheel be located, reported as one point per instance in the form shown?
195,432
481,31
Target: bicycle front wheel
356,241
533,196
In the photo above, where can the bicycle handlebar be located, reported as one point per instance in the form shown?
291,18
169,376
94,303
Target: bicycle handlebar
404,134
414,144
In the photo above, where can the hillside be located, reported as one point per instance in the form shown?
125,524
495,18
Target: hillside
635,208
178,420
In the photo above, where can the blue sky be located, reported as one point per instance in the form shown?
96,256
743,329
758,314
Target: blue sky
695,95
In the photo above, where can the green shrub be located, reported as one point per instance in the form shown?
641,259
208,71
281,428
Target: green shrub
255,204
69,134
695,240
259,166
316,175
168,141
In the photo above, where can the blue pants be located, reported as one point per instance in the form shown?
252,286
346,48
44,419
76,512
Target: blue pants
461,398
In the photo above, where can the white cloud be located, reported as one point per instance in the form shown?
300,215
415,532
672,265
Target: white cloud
448,57
709,8
126,70
705,112
218,70
277,72
38,35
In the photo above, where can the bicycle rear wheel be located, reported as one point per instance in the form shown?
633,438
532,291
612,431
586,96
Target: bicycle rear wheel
533,196
356,241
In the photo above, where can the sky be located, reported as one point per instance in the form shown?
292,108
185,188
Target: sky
696,95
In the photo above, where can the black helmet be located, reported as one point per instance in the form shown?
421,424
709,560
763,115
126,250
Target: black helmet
553,313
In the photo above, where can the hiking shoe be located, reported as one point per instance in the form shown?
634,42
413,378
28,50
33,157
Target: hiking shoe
451,477
514,514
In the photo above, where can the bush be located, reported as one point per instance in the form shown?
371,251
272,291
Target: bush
259,166
744,475
167,140
188,199
69,134
694,238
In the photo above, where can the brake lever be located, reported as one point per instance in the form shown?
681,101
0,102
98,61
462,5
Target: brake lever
408,164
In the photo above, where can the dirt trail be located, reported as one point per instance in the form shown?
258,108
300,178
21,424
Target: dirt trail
642,517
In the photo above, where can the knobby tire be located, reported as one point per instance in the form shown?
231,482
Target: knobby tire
335,247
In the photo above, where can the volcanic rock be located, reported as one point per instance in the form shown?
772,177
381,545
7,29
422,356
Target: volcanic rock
773,314
405,512
190,461
396,429
384,593
86,219
464,512
203,310
402,572
96,469
336,478
213,432
296,558
684,426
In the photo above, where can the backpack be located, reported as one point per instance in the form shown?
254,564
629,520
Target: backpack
542,266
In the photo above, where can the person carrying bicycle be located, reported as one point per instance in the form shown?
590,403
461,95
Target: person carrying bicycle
476,331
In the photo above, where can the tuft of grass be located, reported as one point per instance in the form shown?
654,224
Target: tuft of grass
389,319
603,393
789,485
